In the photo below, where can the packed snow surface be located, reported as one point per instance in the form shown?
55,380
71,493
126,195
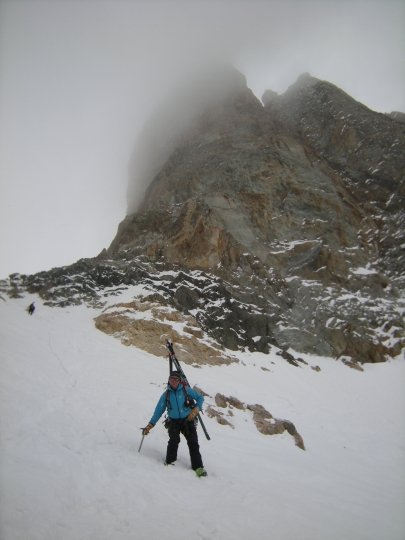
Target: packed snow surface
73,401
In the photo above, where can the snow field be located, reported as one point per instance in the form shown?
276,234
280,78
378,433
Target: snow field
73,400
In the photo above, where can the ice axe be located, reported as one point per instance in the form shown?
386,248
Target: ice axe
143,436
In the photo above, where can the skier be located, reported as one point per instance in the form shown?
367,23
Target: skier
183,405
31,308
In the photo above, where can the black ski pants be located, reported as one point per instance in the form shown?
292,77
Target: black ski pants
189,430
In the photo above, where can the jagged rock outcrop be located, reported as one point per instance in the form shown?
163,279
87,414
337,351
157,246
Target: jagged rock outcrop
366,149
276,225
262,418
396,115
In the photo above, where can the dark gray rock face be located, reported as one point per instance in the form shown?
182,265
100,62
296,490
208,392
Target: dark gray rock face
396,115
366,149
280,224
298,205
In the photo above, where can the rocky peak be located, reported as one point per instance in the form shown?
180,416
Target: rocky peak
211,103
396,115
287,202
361,144
364,148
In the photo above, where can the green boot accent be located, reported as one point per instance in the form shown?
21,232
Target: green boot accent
201,472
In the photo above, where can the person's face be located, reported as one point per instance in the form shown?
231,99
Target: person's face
174,382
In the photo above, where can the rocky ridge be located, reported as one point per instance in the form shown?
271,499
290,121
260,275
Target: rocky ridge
276,226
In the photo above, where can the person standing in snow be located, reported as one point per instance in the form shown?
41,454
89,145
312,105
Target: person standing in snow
183,405
31,308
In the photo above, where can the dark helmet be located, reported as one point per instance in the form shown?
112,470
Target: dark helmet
175,375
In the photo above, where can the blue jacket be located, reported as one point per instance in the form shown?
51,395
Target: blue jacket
177,408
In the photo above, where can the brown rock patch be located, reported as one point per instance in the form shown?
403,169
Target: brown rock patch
263,419
150,335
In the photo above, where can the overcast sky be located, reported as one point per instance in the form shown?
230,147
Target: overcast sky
78,79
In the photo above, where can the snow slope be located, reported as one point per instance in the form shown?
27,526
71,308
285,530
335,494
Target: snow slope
73,400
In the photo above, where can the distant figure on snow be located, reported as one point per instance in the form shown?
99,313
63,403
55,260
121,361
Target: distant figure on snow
31,308
183,405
